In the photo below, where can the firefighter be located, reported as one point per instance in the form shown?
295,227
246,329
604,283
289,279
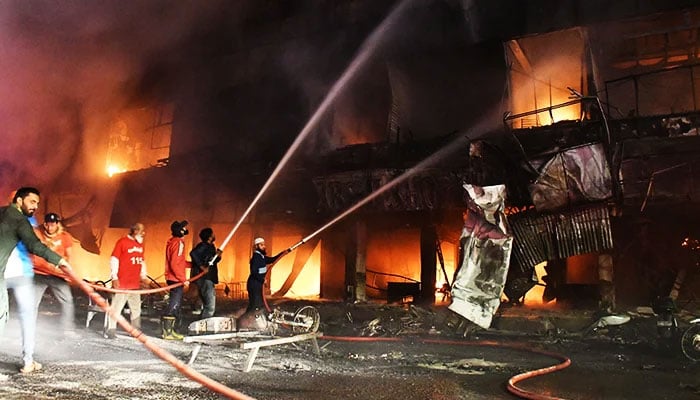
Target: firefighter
128,272
175,266
205,257
258,270
53,235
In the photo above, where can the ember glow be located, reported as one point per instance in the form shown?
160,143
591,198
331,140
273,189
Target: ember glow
540,75
534,295
113,170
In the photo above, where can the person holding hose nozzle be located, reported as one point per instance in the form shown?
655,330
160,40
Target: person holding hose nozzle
205,257
175,266
258,270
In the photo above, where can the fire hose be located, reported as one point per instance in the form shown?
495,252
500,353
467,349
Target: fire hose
155,349
101,288
90,290
511,386
233,394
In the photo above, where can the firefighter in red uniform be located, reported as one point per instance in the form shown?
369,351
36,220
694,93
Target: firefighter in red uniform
46,276
175,266
128,272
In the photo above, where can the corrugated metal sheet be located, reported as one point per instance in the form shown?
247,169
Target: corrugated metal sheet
542,237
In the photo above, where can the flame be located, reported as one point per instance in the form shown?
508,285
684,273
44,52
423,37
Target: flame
114,169
570,113
534,295
308,282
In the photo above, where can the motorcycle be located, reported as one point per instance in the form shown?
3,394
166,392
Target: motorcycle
690,341
666,322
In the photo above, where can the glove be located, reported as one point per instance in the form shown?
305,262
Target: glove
64,263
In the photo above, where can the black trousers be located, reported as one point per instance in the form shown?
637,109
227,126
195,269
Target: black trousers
255,294
173,309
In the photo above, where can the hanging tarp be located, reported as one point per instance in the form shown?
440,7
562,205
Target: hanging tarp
575,176
487,244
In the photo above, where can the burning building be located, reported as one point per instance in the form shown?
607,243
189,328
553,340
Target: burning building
587,114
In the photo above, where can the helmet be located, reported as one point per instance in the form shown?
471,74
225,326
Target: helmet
179,228
52,217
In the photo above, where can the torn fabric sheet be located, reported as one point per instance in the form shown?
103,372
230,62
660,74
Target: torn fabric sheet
574,176
485,256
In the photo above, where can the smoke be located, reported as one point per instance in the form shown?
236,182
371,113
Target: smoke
420,55
69,67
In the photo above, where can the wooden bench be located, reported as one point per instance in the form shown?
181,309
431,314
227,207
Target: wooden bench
252,346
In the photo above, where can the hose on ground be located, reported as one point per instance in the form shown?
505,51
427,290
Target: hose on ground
155,349
217,387
511,385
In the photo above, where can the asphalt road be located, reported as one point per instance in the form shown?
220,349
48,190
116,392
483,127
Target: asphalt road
91,367
619,363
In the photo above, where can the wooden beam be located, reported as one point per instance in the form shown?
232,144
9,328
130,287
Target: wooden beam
301,257
520,56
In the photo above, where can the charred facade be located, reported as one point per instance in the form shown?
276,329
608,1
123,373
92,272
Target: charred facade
597,161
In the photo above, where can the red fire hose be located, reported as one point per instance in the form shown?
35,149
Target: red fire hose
101,288
155,349
215,386
511,386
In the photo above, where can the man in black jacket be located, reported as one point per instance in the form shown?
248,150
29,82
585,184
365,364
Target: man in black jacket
258,270
205,257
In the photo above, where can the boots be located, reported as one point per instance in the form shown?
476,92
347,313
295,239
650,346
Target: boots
168,325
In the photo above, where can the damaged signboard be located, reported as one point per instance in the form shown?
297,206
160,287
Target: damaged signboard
486,246
575,176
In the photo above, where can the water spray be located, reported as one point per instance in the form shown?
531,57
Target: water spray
367,49
299,244
444,151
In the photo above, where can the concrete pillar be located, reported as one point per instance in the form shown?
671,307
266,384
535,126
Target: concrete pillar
428,263
606,283
333,263
355,263
361,263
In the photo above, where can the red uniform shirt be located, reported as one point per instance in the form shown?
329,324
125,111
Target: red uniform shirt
59,243
129,252
175,263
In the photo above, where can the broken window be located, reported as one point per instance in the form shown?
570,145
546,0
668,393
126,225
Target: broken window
541,71
139,138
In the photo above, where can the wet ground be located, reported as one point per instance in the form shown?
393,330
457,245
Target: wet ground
615,363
